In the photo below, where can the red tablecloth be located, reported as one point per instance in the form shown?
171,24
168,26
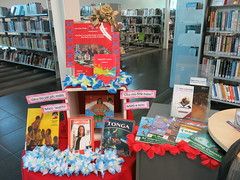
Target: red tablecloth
127,173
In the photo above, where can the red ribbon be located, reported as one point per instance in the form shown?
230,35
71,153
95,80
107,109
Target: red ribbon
161,149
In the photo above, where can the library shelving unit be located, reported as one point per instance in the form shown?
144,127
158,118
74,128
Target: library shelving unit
221,51
28,39
142,27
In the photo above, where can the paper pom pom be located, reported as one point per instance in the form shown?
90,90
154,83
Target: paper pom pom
47,161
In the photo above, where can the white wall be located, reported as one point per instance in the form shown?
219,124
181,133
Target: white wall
9,3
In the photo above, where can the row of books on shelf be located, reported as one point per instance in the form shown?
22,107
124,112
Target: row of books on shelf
141,12
144,20
39,43
151,38
222,68
33,25
224,92
227,45
224,20
28,58
22,9
225,2
145,29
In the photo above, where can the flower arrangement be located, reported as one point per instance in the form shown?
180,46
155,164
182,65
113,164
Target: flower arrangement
104,14
47,161
84,82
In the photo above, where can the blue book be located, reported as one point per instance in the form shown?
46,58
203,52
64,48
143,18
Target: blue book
236,93
214,90
233,68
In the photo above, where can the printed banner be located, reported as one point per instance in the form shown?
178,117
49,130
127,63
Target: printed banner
55,107
44,97
198,81
136,105
133,94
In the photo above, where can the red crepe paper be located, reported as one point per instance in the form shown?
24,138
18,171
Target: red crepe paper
161,149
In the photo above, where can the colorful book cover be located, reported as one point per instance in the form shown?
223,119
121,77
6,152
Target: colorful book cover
203,142
100,107
144,132
172,131
115,135
200,105
182,101
84,41
42,129
185,132
80,133
105,67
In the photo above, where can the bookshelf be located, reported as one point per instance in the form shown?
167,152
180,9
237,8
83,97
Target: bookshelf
27,38
142,27
221,51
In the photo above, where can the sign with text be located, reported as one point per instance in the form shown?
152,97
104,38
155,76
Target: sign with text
136,105
198,81
44,97
55,107
133,94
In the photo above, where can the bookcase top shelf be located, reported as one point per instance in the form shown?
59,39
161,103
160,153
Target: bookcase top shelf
224,32
27,65
219,55
227,79
226,6
27,16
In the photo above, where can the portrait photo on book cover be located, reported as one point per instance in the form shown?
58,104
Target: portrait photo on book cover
84,53
99,107
80,136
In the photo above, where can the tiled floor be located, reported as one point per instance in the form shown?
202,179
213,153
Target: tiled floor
148,71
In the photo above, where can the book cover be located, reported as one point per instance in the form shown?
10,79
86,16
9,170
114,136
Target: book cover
100,107
41,129
203,142
80,133
172,131
105,67
200,105
115,135
182,101
151,130
185,132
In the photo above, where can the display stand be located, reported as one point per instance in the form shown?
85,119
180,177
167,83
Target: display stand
221,132
169,166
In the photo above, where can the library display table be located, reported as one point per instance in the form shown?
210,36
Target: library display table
221,132
170,167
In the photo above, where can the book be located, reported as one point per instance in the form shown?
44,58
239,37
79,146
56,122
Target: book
100,107
115,135
182,101
41,129
200,105
204,143
80,134
152,130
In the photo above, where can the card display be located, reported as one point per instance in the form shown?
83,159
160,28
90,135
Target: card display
99,107
41,129
80,133
114,135
182,101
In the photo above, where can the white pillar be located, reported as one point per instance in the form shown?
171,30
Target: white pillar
166,24
62,10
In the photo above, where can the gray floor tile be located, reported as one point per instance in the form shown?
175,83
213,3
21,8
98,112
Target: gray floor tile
10,124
